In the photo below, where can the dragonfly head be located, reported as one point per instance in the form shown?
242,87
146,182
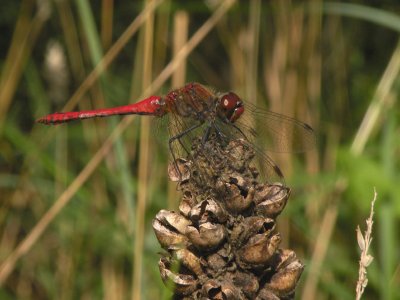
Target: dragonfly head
230,107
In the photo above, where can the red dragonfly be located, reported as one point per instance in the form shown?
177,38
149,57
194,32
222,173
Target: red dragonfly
196,107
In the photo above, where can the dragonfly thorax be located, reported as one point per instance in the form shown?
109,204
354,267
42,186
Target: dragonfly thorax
188,105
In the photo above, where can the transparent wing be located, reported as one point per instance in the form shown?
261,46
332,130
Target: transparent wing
263,130
275,132
266,131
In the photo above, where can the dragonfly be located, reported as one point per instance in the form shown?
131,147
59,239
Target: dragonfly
197,107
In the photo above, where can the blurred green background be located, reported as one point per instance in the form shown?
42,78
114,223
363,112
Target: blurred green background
76,205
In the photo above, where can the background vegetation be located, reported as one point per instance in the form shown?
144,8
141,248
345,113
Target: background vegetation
77,200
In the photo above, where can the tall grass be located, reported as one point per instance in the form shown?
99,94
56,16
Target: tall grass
77,200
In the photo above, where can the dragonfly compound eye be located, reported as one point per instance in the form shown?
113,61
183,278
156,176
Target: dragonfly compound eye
232,106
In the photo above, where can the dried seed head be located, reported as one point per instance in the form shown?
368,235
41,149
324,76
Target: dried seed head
271,200
214,289
246,228
246,281
183,284
223,244
283,283
186,206
189,260
287,273
167,237
266,294
235,202
258,251
179,170
208,236
208,210
173,220
170,228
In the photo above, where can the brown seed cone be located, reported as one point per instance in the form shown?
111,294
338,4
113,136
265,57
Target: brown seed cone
222,244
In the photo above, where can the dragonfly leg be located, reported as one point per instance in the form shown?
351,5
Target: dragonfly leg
240,131
178,138
219,133
206,135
